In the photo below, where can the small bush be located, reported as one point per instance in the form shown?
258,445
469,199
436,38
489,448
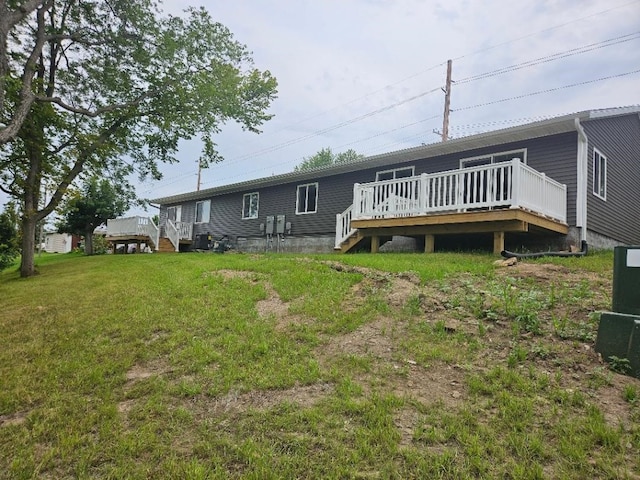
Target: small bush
7,257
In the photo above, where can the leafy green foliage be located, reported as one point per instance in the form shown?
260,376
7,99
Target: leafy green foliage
620,365
8,240
109,80
98,201
326,157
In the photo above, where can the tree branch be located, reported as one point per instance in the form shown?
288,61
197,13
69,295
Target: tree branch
100,111
8,190
27,97
82,158
20,13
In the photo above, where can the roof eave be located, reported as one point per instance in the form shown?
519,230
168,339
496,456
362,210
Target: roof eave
538,129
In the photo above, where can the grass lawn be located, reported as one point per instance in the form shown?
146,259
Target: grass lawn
338,366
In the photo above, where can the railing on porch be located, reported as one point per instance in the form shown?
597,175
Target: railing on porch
343,226
138,226
507,184
178,231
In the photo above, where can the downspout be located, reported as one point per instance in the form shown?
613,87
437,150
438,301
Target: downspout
581,181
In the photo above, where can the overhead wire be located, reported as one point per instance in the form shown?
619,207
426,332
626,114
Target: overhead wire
533,34
548,58
548,90
469,107
559,55
437,65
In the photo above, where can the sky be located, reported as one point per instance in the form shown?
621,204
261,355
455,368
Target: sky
368,74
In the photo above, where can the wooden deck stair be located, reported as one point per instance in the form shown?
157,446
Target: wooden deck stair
359,242
166,246
351,242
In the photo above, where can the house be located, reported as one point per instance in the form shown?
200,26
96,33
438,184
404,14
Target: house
546,184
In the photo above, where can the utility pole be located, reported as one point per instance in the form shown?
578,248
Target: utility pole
199,173
447,101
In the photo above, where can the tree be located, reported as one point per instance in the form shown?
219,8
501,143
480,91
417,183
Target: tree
8,239
98,201
326,157
85,85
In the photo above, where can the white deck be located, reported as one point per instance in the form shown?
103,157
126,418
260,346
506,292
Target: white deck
509,184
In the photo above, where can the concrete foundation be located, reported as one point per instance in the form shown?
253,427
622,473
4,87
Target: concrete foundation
520,242
291,244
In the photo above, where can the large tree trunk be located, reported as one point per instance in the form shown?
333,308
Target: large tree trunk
88,242
27,266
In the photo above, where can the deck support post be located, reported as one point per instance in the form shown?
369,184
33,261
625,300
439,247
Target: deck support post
429,243
375,244
498,242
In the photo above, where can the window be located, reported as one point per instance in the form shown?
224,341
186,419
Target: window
494,158
307,199
202,211
599,174
395,173
250,205
174,213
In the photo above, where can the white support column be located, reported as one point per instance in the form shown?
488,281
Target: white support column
459,190
515,186
357,201
422,204
544,201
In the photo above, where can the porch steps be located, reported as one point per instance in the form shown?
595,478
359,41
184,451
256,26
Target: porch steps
359,242
166,246
351,242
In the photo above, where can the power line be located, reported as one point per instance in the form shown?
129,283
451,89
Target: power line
470,54
530,63
351,121
469,107
549,58
596,14
548,90
527,64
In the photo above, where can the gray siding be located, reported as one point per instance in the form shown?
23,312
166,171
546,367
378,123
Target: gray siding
553,155
618,139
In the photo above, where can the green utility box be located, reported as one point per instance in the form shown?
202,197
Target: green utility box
626,280
619,336
619,331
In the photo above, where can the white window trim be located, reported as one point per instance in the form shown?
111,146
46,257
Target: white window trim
244,199
394,170
307,185
196,212
515,153
603,171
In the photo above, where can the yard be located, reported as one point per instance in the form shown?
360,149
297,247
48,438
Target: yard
272,366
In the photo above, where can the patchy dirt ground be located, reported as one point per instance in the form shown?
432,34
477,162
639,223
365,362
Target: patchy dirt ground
570,362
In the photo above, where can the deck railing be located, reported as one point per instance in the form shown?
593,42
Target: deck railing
178,231
343,226
172,234
139,226
506,184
